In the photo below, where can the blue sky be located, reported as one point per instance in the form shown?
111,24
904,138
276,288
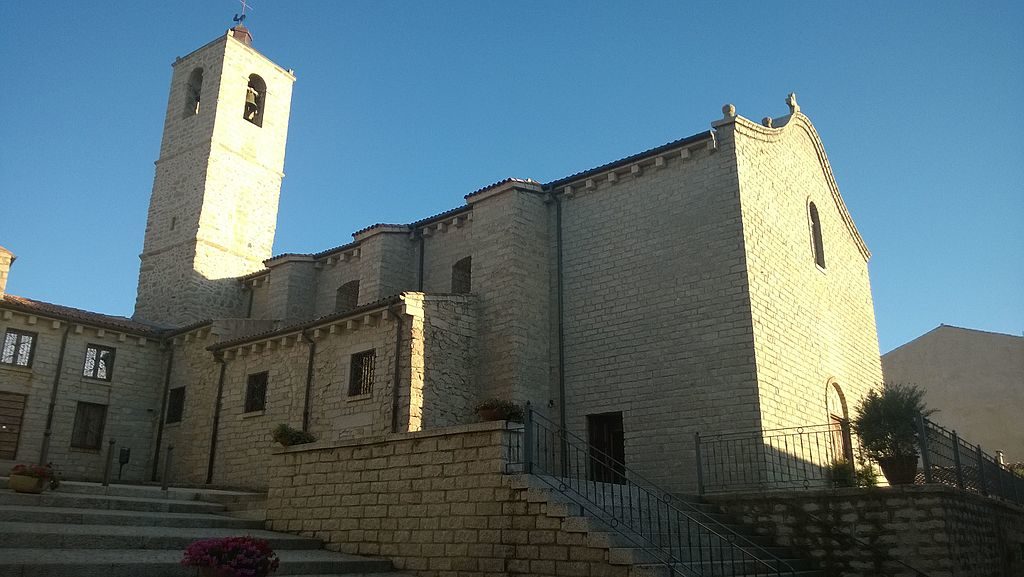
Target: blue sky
401,108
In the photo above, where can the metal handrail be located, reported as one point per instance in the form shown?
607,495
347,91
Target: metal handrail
647,514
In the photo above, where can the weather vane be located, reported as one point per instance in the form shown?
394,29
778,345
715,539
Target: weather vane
241,17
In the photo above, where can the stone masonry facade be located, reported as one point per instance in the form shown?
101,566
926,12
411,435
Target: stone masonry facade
675,290
934,529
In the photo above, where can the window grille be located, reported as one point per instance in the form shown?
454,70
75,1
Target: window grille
90,419
175,405
256,392
19,348
99,362
360,380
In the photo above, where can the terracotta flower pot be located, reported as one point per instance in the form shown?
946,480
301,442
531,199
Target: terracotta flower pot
26,484
899,470
490,414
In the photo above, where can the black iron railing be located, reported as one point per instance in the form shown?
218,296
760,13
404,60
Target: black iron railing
668,531
792,458
821,456
948,459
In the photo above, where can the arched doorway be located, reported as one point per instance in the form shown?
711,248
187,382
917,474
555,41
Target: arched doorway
839,421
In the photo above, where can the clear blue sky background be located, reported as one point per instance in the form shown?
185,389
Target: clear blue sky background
401,108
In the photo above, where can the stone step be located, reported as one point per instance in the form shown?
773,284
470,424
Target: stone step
664,571
108,502
165,563
738,560
155,492
53,535
600,536
35,514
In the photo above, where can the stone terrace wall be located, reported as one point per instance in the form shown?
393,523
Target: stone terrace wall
436,502
934,529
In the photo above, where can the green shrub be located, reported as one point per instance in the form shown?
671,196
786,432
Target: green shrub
287,436
886,421
506,410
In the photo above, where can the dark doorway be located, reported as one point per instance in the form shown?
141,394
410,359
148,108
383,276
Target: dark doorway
608,448
12,407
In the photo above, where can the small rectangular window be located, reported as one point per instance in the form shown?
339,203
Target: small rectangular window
99,362
360,376
175,405
256,392
19,348
90,419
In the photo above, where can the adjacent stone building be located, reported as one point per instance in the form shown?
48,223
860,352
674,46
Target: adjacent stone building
974,378
715,283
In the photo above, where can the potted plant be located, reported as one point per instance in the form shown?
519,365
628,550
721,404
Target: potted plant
886,423
231,557
288,436
29,478
499,410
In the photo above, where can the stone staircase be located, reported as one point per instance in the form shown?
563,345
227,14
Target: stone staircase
635,533
87,530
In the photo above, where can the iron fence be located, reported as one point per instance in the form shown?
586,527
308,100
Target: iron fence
790,458
948,459
668,531
822,456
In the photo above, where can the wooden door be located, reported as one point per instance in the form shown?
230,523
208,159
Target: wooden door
608,448
12,408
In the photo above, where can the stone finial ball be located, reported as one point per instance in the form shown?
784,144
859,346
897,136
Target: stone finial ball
767,121
729,111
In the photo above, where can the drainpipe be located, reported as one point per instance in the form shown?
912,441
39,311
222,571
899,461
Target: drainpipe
163,408
309,380
398,369
419,274
44,451
219,357
561,328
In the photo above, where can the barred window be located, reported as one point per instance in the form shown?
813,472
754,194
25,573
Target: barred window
175,405
462,276
19,347
90,419
360,376
256,392
99,362
347,296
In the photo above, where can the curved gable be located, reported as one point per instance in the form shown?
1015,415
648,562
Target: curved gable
797,121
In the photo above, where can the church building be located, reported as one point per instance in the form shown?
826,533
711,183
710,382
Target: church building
716,283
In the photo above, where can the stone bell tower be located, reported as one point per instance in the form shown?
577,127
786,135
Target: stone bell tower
213,209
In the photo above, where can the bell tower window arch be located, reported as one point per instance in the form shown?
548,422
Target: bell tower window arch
255,100
193,92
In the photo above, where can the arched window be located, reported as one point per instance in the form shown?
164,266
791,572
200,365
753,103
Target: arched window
255,100
347,296
193,91
816,245
462,276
